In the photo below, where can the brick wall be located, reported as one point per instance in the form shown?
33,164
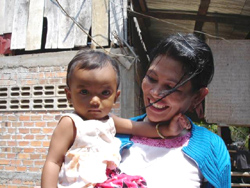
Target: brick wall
25,134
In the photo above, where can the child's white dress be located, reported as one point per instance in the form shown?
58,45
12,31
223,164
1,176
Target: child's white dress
94,150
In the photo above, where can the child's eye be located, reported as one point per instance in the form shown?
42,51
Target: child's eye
151,79
84,92
106,92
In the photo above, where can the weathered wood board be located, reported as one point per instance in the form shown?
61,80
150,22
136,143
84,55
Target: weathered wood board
35,25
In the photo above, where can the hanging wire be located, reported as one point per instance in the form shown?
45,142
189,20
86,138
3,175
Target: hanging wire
81,28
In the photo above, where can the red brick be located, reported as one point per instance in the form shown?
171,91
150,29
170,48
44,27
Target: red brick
58,117
28,162
16,124
11,155
28,124
6,149
11,130
21,168
28,183
41,75
24,130
36,143
29,82
44,157
3,143
4,162
3,155
48,75
34,169
12,186
36,118
35,130
12,118
29,137
10,168
43,81
28,150
23,156
23,143
5,137
35,156
48,130
52,124
55,81
41,150
15,162
17,150
46,143
48,117
24,118
16,181
61,74
40,124
39,163
12,143
17,137
40,137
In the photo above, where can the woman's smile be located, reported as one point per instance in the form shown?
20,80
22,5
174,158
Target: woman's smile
157,105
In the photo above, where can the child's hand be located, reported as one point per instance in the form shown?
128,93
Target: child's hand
178,125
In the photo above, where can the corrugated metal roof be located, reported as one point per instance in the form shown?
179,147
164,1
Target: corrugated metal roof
224,19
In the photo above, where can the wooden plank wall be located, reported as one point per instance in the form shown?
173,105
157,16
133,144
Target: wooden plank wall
228,99
24,19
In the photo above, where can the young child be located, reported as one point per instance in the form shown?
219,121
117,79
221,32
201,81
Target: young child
83,147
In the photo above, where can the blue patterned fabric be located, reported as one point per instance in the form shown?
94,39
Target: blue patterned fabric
206,149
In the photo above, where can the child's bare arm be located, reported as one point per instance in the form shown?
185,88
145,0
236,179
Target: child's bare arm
147,129
61,140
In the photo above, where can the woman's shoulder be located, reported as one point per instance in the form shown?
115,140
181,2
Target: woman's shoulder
204,133
206,142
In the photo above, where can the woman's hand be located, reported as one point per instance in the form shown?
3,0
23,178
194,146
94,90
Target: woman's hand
178,125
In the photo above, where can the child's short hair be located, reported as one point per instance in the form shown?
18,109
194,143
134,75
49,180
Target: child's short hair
90,59
193,53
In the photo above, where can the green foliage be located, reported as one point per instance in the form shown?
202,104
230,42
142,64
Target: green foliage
238,133
211,127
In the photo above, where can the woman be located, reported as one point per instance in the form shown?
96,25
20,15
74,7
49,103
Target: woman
176,83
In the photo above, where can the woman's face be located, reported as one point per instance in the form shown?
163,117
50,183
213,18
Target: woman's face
163,74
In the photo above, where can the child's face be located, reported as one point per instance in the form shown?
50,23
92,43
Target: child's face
163,74
93,92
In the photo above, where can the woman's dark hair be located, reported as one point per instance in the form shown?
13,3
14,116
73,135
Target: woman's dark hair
194,54
90,59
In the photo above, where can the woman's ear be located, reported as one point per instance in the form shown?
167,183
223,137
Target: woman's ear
199,96
197,105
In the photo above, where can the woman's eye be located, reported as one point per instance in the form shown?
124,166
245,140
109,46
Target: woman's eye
168,87
151,79
106,92
84,92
